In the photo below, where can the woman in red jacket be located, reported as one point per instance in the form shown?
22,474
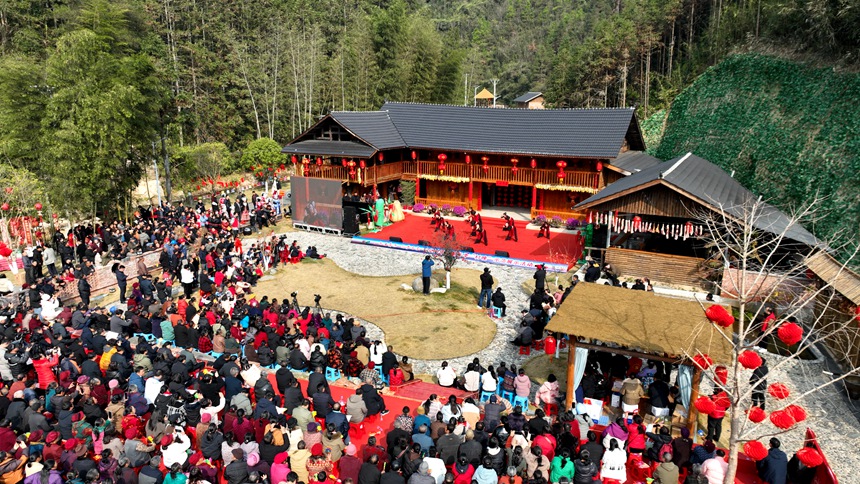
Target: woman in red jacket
45,369
636,436
462,471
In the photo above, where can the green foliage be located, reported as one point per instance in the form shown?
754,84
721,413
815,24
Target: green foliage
208,161
26,191
787,130
407,191
263,152
652,130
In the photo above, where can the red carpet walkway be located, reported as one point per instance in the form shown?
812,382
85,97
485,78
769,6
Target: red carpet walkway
562,248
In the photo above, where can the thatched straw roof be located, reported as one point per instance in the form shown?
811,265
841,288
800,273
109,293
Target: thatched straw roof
640,320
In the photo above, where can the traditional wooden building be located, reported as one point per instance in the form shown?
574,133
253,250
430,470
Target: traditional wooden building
545,160
530,100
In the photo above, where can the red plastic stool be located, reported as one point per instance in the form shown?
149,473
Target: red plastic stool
525,350
537,344
551,408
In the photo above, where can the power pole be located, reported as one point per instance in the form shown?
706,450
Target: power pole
167,189
494,91
466,90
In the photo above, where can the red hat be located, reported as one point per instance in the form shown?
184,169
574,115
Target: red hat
317,449
78,417
281,458
52,436
130,433
371,365
70,444
35,436
166,440
206,418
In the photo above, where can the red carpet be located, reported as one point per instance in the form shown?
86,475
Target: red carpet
562,248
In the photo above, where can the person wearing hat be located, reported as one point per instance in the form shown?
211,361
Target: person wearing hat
174,449
137,451
486,288
53,449
312,435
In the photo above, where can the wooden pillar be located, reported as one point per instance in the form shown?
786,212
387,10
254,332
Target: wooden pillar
692,413
571,370
417,180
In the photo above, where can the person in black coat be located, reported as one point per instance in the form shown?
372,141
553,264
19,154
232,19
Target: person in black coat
540,278
338,419
210,443
372,400
298,361
237,471
393,475
316,379
121,281
323,402
773,469
293,396
369,473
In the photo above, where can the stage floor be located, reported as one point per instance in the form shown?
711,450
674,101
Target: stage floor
562,248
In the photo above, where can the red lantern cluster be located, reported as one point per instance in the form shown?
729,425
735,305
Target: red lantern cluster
442,157
749,359
810,457
719,316
755,450
703,361
756,415
514,168
790,333
561,164
797,412
351,165
705,405
782,419
778,391
485,159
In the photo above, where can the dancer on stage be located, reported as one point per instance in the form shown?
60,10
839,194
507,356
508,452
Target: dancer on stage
477,228
481,235
544,230
511,228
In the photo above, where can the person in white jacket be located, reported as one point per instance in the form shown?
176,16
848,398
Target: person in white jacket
377,349
548,392
176,449
614,463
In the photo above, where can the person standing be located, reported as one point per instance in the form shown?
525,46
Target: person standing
540,278
773,468
50,260
84,288
121,282
426,272
758,380
486,288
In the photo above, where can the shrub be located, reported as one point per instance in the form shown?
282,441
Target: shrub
571,223
539,219
433,207
459,210
446,209
418,208
556,221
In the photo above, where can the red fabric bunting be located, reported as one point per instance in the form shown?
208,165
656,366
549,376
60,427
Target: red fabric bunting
719,316
755,450
778,390
790,333
749,359
756,415
782,419
810,457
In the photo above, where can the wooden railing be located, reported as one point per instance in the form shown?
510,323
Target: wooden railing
383,173
564,214
428,201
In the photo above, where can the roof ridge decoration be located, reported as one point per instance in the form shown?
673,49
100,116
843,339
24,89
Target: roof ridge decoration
666,173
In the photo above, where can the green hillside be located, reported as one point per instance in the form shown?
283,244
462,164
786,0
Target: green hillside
789,131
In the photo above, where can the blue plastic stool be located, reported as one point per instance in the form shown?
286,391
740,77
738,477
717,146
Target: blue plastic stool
485,396
381,374
332,374
522,402
214,354
145,336
499,386
509,396
497,312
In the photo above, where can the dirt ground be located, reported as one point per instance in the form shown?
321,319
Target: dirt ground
438,326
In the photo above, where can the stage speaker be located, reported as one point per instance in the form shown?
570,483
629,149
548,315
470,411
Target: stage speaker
395,239
424,243
246,230
502,253
350,220
467,249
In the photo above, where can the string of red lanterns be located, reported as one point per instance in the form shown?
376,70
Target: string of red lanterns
442,157
561,164
514,168
485,159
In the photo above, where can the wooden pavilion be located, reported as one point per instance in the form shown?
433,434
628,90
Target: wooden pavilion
544,160
639,324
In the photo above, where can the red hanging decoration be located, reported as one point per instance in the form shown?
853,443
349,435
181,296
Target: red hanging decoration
468,159
242,179
756,415
442,157
797,412
485,159
38,206
282,167
703,361
343,162
755,450
362,164
778,391
533,163
750,360
414,155
637,223
54,216
705,405
599,166
293,159
252,166
790,333
810,457
718,315
782,419
722,401
380,156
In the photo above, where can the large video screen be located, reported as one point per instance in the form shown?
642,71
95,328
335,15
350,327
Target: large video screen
317,202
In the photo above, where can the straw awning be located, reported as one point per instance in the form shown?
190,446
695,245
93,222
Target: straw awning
831,271
640,320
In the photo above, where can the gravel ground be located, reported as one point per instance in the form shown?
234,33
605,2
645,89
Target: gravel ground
832,415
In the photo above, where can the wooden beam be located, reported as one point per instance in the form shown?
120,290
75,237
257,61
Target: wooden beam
692,413
571,371
620,351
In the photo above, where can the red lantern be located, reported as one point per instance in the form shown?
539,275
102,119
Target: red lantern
54,216
810,457
782,419
703,361
755,450
778,391
722,374
705,405
561,164
637,222
797,412
750,360
343,162
4,207
533,163
756,415
294,159
9,189
468,159
790,333
414,155
252,166
719,316
242,179
722,401
319,161
514,170
362,164
442,157
38,206
599,166
380,156
282,166
514,161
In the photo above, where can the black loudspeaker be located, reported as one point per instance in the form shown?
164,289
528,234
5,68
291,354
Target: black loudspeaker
395,239
467,249
246,231
502,253
424,243
350,220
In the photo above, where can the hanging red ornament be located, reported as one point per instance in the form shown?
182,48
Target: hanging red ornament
252,166
810,457
38,206
705,405
703,361
319,162
54,216
468,159
797,412
750,360
362,164
343,162
294,159
722,401
514,170
718,315
242,179
790,333
282,167
782,419
755,450
756,415
599,166
637,222
4,207
442,157
380,156
514,161
414,155
778,391
722,374
533,163
561,164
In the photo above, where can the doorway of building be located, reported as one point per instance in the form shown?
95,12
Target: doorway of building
511,196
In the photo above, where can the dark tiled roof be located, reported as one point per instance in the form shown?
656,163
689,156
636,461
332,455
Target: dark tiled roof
587,133
633,161
712,186
374,127
330,148
528,97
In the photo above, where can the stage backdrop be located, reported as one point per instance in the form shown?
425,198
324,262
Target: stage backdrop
317,202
